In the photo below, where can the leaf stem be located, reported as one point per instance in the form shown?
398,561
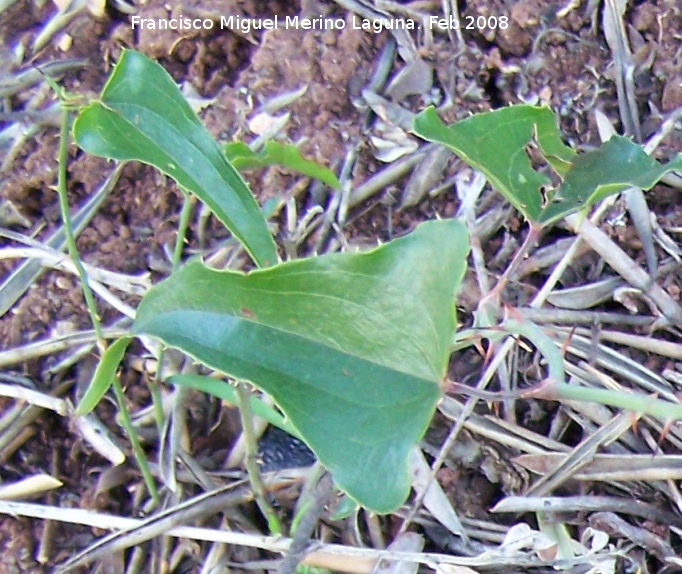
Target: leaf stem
635,402
87,291
68,229
183,224
259,492
125,421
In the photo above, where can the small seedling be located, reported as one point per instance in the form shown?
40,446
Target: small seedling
352,347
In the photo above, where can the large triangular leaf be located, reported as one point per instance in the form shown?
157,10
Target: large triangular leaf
352,347
500,144
142,115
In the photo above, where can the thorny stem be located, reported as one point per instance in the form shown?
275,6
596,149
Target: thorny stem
259,492
68,229
88,295
550,390
528,243
489,305
555,391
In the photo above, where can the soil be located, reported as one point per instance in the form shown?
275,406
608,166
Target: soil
549,54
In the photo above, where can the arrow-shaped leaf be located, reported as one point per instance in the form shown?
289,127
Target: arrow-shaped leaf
142,115
495,143
500,144
352,347
618,164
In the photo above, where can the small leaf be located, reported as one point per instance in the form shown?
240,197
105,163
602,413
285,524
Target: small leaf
104,375
495,143
142,115
344,508
500,144
352,347
274,153
618,164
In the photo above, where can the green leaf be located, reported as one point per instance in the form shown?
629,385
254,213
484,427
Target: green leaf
142,115
498,143
226,392
616,165
352,347
274,153
495,143
344,508
104,375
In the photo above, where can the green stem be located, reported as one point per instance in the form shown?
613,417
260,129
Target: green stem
306,497
90,299
138,452
68,229
183,224
157,404
259,492
635,402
